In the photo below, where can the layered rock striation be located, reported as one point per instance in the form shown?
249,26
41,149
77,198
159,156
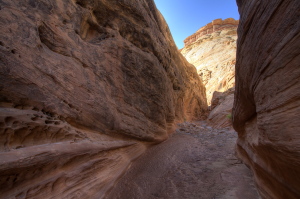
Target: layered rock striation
85,87
214,26
213,52
214,57
266,111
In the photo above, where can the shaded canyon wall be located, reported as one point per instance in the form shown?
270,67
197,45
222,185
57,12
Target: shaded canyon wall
85,86
266,111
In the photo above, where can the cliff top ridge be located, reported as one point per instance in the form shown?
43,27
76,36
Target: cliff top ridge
215,25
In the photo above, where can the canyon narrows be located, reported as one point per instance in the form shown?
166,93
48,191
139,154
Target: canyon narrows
96,101
198,160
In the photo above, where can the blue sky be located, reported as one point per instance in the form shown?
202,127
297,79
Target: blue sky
185,17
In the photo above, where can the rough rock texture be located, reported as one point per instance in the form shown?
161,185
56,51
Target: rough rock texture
213,52
221,108
214,55
214,26
83,84
266,110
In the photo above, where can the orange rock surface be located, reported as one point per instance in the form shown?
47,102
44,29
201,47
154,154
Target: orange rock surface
86,87
214,26
266,111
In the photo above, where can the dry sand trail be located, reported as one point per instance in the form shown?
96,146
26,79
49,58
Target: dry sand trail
196,162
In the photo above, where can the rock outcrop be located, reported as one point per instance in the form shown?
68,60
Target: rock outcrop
214,26
214,57
212,49
221,108
266,111
86,85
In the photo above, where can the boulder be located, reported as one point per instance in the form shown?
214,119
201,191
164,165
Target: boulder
221,109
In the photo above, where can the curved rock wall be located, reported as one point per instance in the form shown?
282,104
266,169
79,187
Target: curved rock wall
266,111
84,83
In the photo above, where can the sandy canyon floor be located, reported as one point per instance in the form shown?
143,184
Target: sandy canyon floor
196,162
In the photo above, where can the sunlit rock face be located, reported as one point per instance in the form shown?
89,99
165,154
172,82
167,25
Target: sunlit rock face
215,26
85,85
212,49
266,110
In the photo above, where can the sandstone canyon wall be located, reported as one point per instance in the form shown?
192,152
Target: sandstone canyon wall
266,111
212,49
85,86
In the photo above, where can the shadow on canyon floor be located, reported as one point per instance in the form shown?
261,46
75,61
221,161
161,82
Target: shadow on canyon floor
197,161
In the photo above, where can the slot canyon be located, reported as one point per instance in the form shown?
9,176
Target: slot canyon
97,101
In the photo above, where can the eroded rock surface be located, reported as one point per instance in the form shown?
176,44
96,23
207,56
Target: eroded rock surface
212,50
215,26
84,83
266,110
221,108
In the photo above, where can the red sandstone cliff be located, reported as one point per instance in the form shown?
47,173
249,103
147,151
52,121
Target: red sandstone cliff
266,111
84,86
